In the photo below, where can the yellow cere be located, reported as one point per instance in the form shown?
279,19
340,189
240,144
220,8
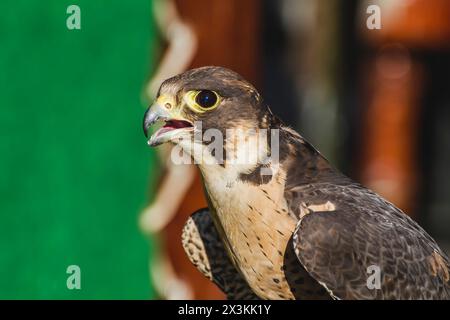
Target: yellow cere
169,103
165,99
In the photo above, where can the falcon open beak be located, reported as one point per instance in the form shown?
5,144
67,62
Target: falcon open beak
174,125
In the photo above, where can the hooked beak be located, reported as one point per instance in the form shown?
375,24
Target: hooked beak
172,127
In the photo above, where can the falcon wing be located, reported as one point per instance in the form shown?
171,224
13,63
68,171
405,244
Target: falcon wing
344,243
205,249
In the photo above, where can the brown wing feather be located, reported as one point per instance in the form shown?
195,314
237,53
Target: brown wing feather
336,247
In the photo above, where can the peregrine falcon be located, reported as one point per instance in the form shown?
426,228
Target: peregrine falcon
290,226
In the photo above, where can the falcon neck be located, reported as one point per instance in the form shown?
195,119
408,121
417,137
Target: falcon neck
303,163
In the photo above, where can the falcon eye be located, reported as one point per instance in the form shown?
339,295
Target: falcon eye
201,101
206,99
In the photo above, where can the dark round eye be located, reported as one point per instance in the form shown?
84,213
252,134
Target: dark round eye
206,99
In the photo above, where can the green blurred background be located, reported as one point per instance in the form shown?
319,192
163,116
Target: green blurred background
74,163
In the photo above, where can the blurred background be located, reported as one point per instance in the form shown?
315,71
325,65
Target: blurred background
78,184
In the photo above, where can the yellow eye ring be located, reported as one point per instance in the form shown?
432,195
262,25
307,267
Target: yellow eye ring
202,101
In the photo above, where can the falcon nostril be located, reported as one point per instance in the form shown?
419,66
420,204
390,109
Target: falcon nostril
168,106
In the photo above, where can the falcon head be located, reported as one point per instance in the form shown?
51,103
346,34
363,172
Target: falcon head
202,99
